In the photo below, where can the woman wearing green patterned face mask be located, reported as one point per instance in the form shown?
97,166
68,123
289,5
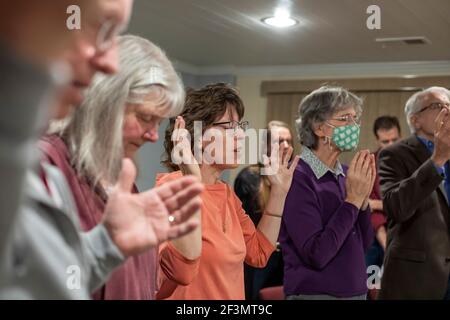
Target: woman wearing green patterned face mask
346,137
326,221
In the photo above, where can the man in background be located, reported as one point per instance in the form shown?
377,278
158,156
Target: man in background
387,131
415,185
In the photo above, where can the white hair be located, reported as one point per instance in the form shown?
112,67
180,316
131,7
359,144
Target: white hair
93,131
414,103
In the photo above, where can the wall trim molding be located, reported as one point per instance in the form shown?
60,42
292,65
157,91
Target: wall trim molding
386,84
407,69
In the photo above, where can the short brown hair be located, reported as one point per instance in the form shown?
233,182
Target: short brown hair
385,123
207,105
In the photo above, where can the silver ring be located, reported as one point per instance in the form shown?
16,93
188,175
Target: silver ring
171,219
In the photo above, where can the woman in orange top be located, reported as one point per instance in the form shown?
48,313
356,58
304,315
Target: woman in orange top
227,236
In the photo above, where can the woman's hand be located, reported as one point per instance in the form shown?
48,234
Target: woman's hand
373,173
280,182
137,222
360,179
282,179
376,204
182,141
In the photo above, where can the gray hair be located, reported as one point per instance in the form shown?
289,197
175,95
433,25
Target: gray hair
414,103
319,106
93,131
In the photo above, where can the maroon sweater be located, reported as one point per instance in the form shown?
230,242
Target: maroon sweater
136,278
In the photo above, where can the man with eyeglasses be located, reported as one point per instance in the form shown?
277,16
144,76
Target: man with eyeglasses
415,184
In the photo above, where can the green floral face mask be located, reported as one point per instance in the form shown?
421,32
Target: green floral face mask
346,138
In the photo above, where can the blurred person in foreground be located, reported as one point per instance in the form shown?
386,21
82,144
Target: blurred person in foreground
119,114
44,255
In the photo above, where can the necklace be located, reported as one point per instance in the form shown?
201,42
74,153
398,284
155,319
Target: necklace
225,213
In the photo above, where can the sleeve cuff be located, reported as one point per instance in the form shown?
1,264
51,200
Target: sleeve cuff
176,267
174,251
350,207
439,170
107,253
259,251
265,243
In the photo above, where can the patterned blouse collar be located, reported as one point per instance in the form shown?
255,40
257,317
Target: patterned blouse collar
317,166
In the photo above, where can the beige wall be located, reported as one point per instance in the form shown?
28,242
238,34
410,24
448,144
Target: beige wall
256,105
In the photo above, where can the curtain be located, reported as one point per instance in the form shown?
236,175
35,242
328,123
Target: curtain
284,107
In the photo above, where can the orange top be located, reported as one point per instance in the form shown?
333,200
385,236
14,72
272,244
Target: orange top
229,238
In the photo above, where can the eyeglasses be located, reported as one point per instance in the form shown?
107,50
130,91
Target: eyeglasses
389,141
436,106
288,141
235,125
348,119
107,33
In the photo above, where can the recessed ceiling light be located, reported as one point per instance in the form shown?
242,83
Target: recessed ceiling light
281,19
409,76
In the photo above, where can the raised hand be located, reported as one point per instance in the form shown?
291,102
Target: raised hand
373,174
441,153
137,222
189,164
281,180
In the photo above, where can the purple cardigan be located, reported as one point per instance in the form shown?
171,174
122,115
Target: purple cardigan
323,238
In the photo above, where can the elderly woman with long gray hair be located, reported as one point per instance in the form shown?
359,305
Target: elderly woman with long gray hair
119,114
326,221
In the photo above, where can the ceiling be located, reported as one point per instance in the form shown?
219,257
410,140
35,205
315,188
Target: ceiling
208,33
